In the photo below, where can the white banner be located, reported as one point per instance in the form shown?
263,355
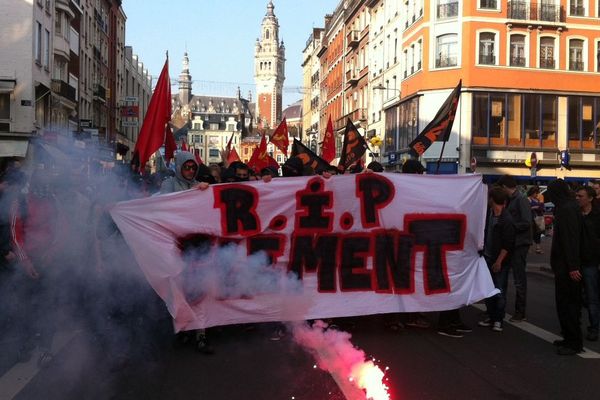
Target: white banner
345,246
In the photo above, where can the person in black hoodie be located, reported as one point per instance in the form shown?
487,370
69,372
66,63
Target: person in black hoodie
499,243
565,261
590,257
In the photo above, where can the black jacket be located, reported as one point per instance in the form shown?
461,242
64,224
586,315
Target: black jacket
520,211
503,236
590,239
566,237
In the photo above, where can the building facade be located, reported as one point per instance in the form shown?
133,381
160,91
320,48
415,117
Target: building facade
311,82
529,74
269,71
26,62
136,91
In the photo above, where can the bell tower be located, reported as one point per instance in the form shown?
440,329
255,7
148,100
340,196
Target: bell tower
269,70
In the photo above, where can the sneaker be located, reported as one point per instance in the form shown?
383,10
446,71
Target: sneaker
567,351
486,323
419,322
462,328
202,345
497,326
559,342
277,335
518,317
450,332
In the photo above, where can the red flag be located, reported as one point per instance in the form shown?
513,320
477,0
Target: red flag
280,137
328,146
197,156
183,145
260,158
232,156
152,134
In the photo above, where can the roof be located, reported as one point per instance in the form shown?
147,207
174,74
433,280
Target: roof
293,111
214,104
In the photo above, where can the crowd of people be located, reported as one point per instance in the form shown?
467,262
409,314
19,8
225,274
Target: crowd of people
60,252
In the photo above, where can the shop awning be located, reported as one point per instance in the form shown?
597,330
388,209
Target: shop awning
7,85
13,147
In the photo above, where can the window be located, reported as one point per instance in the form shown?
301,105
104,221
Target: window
4,112
486,48
547,53
446,51
279,159
582,122
46,48
408,122
576,55
598,55
391,130
38,43
447,8
577,8
517,51
213,153
57,23
514,120
488,4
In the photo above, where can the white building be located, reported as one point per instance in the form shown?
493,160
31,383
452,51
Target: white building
26,59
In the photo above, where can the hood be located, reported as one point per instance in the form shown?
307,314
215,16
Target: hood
559,192
180,159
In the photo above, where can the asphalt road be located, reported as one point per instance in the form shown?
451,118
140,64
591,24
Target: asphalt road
519,363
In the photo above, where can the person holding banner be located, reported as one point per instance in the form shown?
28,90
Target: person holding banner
499,242
520,210
186,169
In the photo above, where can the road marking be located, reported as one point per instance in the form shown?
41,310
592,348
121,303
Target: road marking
16,378
539,332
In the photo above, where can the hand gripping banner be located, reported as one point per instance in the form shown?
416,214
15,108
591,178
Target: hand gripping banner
307,247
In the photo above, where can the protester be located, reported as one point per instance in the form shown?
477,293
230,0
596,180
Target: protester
215,171
499,241
520,210
375,166
565,260
590,257
240,171
537,211
186,168
595,184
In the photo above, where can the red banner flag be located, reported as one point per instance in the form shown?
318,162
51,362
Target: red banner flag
328,146
280,137
260,159
183,145
232,156
197,156
152,134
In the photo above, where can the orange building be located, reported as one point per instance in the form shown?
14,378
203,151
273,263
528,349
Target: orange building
331,57
531,84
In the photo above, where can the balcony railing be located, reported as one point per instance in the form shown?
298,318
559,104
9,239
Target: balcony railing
353,38
577,11
547,63
489,4
576,65
358,115
527,11
517,61
63,89
447,10
444,62
99,91
487,59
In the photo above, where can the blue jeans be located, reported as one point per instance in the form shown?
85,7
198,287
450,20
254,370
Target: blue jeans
496,305
591,285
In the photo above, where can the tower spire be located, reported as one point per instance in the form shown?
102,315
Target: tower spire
185,81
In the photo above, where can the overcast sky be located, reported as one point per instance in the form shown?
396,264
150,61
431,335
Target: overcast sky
219,36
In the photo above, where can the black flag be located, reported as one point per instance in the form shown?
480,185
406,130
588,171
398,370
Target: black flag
308,157
353,148
440,127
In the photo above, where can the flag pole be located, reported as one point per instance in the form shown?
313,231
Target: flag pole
437,168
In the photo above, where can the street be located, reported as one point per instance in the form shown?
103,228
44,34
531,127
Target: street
519,363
